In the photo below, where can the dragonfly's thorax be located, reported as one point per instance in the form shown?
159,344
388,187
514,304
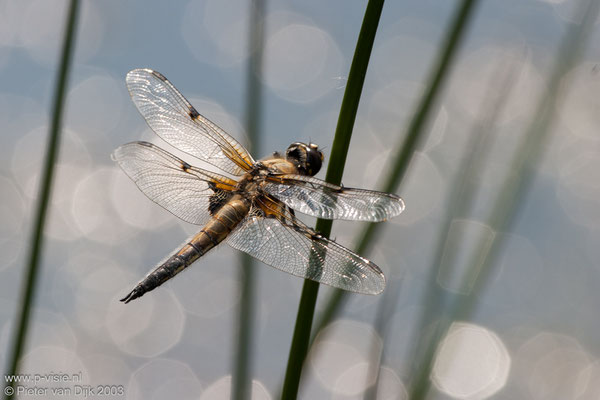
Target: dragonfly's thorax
249,185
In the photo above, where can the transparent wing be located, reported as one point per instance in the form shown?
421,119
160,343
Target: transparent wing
320,199
176,121
292,247
185,191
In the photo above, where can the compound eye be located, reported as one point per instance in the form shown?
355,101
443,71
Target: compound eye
314,162
293,152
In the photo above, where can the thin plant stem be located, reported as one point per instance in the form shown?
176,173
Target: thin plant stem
23,317
459,203
341,143
414,137
493,106
242,377
513,190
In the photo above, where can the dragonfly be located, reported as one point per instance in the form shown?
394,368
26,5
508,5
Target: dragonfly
251,205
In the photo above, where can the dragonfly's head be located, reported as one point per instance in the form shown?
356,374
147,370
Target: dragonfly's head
306,157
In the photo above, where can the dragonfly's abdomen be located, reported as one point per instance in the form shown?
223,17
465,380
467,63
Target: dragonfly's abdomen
213,233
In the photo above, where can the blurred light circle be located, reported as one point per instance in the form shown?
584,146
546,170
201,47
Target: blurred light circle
471,363
49,359
95,105
301,62
216,31
221,390
19,115
560,374
159,375
209,293
110,370
28,156
52,329
290,72
330,360
61,224
134,208
355,379
42,29
552,365
588,382
402,54
148,326
71,169
343,348
389,385
84,300
94,292
92,209
579,109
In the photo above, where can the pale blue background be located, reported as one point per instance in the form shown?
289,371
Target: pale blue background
177,341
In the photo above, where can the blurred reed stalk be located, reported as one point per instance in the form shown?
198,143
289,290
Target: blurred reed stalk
514,189
23,316
335,168
241,382
460,201
414,138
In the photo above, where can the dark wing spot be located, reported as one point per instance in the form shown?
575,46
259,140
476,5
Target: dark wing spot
145,144
159,75
315,236
185,166
193,113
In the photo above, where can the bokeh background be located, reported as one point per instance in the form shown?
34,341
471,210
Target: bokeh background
534,333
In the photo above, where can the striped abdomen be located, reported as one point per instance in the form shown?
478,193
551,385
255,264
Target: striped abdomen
213,233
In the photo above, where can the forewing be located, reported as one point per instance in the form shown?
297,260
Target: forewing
294,248
176,121
320,199
185,191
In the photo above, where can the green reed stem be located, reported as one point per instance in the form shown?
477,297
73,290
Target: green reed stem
242,377
21,326
414,137
339,151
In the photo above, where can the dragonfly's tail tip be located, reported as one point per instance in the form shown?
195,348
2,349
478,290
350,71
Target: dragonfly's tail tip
134,294
126,299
